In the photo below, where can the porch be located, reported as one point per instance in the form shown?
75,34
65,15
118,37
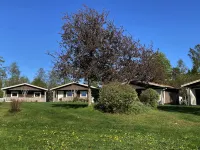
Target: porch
69,95
25,99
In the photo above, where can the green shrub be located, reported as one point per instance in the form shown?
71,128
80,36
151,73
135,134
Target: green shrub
138,107
78,99
116,98
149,97
15,105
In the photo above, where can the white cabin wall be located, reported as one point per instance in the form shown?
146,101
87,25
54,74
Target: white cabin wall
192,96
60,94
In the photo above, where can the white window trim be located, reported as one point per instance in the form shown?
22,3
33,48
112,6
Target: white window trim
15,92
38,92
81,94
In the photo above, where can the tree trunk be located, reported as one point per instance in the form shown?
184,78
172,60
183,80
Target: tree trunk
89,96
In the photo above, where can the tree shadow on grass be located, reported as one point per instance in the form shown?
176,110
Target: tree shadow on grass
181,109
70,105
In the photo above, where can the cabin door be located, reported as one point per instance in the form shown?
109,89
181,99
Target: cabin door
198,96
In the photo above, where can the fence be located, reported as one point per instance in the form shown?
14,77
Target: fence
25,99
2,99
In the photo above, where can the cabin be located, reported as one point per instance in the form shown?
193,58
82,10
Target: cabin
193,92
24,92
168,94
69,91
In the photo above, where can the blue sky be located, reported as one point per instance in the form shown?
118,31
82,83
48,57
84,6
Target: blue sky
29,28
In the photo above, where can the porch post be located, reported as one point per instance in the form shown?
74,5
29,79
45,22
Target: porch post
53,96
4,94
75,94
187,96
45,96
164,97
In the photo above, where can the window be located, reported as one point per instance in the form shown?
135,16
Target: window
14,94
69,93
83,93
37,94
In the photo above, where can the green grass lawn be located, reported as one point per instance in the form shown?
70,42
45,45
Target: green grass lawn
75,126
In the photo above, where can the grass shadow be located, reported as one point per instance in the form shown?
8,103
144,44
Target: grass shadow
14,111
181,109
71,105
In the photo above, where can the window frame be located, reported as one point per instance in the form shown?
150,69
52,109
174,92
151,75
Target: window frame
38,92
82,95
69,92
14,92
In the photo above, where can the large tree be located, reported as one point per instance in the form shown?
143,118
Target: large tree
14,75
13,71
2,69
94,49
24,79
2,75
84,43
135,61
55,80
40,78
1,61
182,67
194,54
181,76
161,67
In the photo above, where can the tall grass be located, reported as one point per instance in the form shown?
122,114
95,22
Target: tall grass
15,105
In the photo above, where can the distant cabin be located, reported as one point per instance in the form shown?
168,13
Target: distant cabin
167,94
193,92
69,91
25,92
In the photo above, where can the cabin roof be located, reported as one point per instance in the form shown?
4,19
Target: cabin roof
153,84
27,84
64,85
191,83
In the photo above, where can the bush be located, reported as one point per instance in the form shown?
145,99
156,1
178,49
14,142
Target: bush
138,107
116,98
15,105
149,97
78,99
